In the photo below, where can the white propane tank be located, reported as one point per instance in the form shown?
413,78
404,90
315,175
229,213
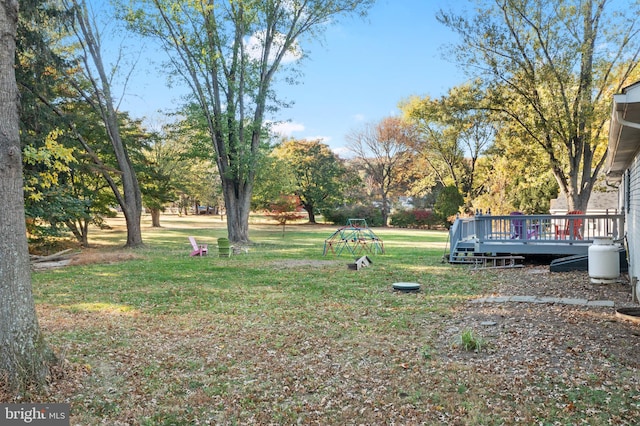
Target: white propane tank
604,261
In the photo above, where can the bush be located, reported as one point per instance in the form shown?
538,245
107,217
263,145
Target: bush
402,219
417,218
341,215
425,218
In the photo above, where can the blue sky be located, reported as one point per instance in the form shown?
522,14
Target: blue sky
358,74
366,67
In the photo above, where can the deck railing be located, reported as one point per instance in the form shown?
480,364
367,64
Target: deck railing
537,229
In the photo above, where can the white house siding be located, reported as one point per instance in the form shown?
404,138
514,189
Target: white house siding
630,192
622,167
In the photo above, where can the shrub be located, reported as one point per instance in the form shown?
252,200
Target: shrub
417,218
341,215
402,219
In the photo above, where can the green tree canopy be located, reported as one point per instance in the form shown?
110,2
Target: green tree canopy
454,134
551,67
319,176
448,203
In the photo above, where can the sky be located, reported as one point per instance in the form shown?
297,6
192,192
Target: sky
358,74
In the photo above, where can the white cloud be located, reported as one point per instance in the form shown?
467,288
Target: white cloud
255,44
323,139
343,152
359,117
286,128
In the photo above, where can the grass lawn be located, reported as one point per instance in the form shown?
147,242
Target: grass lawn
279,335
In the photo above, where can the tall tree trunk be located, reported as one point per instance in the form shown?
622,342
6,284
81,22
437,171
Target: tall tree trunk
385,208
132,205
237,204
155,218
308,207
23,353
576,201
131,200
312,214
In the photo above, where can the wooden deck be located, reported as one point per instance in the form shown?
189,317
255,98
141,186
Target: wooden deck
486,235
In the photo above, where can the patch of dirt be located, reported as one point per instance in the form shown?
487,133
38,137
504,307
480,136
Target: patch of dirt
538,281
91,256
298,263
546,342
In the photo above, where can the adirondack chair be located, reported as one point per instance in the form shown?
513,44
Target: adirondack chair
572,229
517,226
198,249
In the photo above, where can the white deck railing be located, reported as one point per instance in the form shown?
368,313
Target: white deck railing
536,229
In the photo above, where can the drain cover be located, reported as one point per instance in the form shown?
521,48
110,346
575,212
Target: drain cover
406,286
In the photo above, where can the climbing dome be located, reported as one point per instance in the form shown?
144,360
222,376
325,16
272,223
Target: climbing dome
356,238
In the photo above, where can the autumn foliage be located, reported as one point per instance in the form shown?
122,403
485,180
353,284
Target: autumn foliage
285,209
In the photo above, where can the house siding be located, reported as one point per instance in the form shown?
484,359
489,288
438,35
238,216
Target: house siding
631,195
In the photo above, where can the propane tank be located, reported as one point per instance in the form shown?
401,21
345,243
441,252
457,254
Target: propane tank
604,261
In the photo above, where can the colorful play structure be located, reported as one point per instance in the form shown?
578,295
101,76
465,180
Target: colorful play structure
356,238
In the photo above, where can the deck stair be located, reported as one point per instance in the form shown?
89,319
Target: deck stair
463,255
463,245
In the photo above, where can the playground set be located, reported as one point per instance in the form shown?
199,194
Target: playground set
355,237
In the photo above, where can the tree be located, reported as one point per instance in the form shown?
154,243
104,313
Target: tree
50,157
511,180
285,208
162,159
24,356
454,135
448,203
93,201
317,172
197,179
56,99
383,151
273,179
551,67
229,53
46,171
98,95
